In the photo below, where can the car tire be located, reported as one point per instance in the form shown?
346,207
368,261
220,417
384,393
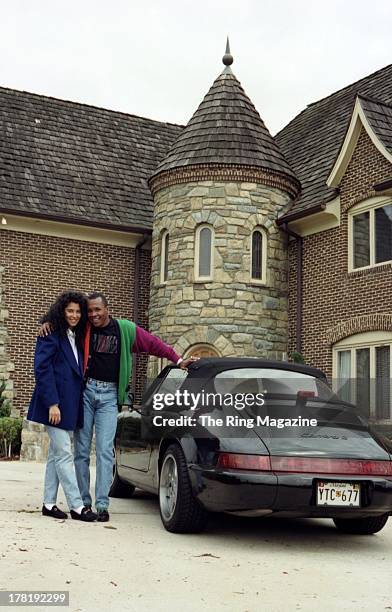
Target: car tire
362,526
180,511
119,488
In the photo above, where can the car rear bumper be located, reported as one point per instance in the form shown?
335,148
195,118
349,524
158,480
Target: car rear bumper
286,494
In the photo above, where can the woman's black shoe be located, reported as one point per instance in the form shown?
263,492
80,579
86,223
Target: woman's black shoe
54,512
86,515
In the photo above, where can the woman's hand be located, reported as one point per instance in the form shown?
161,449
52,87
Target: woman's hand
54,415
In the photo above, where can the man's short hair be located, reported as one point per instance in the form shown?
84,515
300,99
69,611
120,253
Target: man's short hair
97,295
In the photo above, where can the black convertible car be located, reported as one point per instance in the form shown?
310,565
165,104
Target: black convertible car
254,438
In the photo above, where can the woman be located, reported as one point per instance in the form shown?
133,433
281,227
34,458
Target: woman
57,400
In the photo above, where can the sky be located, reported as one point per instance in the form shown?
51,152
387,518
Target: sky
158,59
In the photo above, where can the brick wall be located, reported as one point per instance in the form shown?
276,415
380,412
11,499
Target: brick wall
38,268
332,296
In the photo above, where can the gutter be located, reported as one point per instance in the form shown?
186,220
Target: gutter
75,221
298,316
383,186
136,292
300,214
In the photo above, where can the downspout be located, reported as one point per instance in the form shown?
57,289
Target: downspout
136,283
298,324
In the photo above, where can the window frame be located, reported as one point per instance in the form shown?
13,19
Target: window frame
164,256
197,277
263,279
364,340
369,206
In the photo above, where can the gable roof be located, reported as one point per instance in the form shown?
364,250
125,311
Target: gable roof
376,118
76,162
226,129
312,140
379,116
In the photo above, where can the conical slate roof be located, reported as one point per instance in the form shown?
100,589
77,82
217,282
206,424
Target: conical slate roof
226,129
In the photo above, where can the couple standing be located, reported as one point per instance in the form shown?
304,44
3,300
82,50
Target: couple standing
84,343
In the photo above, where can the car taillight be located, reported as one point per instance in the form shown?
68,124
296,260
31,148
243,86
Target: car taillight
306,394
320,465
236,461
306,465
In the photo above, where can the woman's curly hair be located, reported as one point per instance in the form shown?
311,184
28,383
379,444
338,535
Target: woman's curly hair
56,317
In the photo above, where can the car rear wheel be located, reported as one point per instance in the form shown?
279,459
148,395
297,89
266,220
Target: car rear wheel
119,488
180,511
363,526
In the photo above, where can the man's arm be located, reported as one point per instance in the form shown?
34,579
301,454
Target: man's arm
148,343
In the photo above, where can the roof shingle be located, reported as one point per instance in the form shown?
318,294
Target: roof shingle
312,140
226,129
78,162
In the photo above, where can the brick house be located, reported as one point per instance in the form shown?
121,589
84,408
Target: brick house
241,243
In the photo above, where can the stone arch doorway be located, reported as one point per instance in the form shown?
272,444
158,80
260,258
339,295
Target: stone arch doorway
202,350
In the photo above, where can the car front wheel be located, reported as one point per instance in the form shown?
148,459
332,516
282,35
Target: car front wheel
362,526
119,488
180,511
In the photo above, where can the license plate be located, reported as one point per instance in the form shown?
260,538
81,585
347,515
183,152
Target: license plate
338,494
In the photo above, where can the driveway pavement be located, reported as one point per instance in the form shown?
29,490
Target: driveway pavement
133,564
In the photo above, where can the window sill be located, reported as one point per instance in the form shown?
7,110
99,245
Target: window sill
382,267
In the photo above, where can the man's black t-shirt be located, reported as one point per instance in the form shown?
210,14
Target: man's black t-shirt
104,363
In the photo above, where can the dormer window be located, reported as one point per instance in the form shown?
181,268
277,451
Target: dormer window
370,234
204,259
259,255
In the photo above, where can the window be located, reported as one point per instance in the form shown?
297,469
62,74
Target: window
258,255
370,234
362,372
164,256
204,260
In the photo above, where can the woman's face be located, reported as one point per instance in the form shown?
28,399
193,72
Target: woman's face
72,314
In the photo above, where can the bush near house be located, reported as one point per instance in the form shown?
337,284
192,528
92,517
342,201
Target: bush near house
10,428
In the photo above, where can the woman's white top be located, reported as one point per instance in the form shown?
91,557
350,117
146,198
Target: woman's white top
72,340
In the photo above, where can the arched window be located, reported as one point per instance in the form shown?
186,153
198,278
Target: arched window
258,258
202,350
164,256
204,256
362,371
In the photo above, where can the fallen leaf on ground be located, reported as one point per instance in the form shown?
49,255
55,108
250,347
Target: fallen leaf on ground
23,549
109,527
207,555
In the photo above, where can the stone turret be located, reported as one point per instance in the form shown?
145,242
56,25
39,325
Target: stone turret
219,277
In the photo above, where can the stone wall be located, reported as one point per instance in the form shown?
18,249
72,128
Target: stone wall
235,315
6,366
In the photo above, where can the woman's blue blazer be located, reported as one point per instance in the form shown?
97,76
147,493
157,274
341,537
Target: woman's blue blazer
59,380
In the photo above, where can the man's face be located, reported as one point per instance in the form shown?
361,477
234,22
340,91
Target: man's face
98,313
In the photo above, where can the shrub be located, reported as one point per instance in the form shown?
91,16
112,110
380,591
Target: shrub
10,436
10,427
5,404
297,357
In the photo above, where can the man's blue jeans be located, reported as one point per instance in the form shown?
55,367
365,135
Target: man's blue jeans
60,469
100,409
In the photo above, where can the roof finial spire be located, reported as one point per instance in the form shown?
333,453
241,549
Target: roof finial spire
227,59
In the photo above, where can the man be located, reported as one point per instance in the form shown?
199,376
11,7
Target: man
109,344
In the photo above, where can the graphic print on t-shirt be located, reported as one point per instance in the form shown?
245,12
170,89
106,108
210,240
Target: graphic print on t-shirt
105,344
105,350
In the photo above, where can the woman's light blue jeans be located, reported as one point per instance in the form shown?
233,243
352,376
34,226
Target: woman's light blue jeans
60,469
100,409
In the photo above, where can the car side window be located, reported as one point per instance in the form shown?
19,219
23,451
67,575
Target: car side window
172,380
